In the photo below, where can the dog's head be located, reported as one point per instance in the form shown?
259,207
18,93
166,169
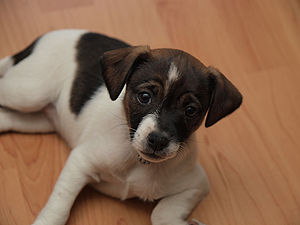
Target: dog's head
168,93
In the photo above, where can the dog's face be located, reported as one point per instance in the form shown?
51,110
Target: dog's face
168,93
166,100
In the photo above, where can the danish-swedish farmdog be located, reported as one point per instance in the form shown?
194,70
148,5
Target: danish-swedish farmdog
127,112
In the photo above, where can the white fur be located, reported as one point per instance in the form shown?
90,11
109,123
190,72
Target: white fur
5,64
102,152
24,122
173,75
146,126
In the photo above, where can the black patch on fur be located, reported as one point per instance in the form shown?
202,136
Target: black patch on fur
24,53
90,48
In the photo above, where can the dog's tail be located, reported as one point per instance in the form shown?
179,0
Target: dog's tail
5,64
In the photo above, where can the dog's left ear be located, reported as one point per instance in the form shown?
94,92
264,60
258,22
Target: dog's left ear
119,64
225,97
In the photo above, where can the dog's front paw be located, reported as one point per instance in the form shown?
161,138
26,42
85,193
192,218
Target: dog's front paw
195,222
5,120
40,222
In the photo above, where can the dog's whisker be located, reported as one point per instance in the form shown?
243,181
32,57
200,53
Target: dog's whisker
132,129
139,144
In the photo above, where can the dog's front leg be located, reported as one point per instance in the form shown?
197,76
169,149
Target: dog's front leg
174,209
75,175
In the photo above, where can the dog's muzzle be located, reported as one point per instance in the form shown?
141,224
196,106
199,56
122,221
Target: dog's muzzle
156,147
157,142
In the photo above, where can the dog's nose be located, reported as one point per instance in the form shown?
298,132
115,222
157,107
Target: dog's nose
157,141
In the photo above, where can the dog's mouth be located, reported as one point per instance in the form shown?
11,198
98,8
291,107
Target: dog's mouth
142,160
147,158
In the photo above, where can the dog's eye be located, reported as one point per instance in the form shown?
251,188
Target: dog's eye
190,111
144,97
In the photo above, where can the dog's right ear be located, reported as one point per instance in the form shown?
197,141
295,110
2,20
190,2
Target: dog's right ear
119,64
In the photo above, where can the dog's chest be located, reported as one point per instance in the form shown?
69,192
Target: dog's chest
146,183
141,181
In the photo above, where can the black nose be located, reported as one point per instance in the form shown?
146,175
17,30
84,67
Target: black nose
157,141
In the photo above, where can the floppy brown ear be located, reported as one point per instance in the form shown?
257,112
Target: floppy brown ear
118,64
225,98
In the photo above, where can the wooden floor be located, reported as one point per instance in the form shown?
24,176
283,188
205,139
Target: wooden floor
252,157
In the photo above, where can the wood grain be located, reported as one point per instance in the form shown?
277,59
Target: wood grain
252,157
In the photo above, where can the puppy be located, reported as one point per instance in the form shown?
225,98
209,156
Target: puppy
127,112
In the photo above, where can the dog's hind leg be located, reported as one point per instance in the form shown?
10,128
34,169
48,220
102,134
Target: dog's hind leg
9,61
25,87
24,122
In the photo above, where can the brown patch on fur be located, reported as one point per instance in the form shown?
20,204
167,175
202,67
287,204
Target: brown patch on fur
131,104
119,64
143,69
226,98
185,97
